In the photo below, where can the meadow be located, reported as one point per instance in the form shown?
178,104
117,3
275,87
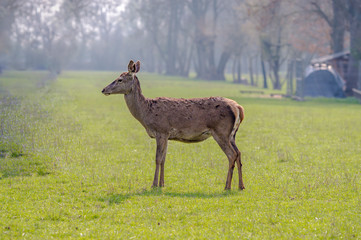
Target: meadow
76,164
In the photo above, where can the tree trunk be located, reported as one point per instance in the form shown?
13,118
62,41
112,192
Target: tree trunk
222,65
205,36
201,57
258,70
239,70
199,9
234,70
264,74
172,45
338,26
188,62
275,63
290,77
250,69
277,82
355,47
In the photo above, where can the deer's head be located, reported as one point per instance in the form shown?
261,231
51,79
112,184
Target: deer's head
125,82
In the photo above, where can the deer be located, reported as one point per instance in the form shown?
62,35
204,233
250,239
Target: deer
186,120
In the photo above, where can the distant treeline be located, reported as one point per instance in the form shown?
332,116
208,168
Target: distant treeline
174,37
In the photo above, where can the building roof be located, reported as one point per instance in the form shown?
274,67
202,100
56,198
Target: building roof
327,58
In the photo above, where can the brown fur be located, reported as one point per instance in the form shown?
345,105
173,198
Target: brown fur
185,120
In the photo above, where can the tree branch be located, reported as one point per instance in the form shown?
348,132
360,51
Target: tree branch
321,13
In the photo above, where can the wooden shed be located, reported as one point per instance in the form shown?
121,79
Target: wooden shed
338,62
326,76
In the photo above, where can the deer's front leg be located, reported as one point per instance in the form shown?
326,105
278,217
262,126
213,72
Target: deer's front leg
162,143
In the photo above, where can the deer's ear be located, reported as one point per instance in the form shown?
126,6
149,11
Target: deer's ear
137,66
131,66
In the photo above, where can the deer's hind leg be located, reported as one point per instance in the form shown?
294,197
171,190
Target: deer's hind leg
225,144
239,164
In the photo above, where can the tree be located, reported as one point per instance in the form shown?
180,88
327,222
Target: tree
166,27
341,15
74,14
205,35
41,37
333,13
270,18
241,40
8,10
354,18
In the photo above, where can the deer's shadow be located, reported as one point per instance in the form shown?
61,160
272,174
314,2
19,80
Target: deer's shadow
119,198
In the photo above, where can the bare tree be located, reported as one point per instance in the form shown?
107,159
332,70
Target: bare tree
205,36
354,17
8,10
270,18
41,33
333,13
341,16
166,23
75,15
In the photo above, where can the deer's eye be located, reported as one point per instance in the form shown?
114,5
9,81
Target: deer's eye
119,80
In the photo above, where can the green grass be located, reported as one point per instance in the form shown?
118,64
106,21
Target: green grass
75,164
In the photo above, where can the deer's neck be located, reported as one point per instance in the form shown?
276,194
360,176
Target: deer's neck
136,102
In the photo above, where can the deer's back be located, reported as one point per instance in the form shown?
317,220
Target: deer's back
190,119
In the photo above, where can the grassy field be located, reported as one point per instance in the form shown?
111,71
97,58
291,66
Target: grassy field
75,164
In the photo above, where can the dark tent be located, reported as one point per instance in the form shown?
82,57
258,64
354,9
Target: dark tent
323,83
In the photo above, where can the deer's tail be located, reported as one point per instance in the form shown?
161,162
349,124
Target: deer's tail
241,113
238,119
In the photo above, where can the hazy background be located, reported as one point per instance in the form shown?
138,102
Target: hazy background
179,37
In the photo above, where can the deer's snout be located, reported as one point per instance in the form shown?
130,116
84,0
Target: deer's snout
106,94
